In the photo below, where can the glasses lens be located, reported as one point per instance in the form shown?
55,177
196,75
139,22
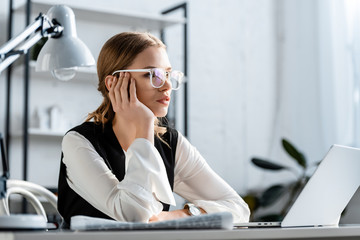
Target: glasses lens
176,78
158,77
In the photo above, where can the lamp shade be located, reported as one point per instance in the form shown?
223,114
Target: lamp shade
62,55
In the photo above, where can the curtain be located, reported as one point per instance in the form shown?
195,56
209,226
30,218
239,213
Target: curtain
318,52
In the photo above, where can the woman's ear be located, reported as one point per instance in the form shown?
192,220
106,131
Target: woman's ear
109,80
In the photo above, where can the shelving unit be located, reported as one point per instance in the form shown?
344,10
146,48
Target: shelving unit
37,132
108,15
84,76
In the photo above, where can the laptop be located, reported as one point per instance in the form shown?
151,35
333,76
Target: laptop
326,194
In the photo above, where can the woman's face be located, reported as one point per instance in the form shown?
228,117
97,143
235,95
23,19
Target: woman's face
156,99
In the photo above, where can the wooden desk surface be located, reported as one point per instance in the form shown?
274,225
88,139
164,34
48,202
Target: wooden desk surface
342,232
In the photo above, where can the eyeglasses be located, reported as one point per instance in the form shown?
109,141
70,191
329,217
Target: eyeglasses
158,76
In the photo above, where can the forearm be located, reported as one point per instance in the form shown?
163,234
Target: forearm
146,130
127,131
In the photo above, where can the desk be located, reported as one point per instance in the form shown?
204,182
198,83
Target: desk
343,232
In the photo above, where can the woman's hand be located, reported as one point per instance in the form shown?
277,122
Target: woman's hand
129,111
180,213
163,216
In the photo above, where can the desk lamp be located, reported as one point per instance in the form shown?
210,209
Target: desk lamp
62,54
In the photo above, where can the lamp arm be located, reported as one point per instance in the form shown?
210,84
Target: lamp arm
42,27
11,57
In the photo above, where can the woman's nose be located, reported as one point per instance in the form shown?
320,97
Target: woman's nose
167,85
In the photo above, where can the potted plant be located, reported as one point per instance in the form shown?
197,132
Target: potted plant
274,193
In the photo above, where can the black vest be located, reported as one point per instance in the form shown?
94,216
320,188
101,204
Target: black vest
106,144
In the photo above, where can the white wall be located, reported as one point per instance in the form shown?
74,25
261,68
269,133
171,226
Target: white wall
231,81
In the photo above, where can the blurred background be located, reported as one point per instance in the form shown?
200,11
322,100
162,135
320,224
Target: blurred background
258,71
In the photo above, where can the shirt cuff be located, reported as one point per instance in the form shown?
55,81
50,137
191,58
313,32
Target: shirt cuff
148,170
139,194
241,213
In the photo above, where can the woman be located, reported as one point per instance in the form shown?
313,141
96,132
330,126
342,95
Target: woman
121,163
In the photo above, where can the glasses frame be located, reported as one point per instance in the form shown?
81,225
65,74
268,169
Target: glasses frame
149,70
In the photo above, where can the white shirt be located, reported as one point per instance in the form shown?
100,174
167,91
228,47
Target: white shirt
137,197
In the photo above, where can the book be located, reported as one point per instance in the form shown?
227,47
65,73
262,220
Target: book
222,220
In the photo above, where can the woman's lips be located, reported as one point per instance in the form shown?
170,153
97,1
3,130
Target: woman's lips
164,100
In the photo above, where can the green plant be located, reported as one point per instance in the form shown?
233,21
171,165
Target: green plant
274,193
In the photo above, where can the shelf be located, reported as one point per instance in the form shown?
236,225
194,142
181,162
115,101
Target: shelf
45,133
150,22
36,132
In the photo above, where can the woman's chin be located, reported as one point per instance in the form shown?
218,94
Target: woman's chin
160,113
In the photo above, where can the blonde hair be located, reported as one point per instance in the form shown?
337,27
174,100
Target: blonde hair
118,53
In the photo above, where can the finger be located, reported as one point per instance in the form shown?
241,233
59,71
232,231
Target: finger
114,94
124,88
111,90
132,90
117,87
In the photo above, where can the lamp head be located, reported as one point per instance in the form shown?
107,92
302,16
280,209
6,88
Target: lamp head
63,54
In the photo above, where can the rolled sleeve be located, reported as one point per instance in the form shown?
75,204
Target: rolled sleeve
147,168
